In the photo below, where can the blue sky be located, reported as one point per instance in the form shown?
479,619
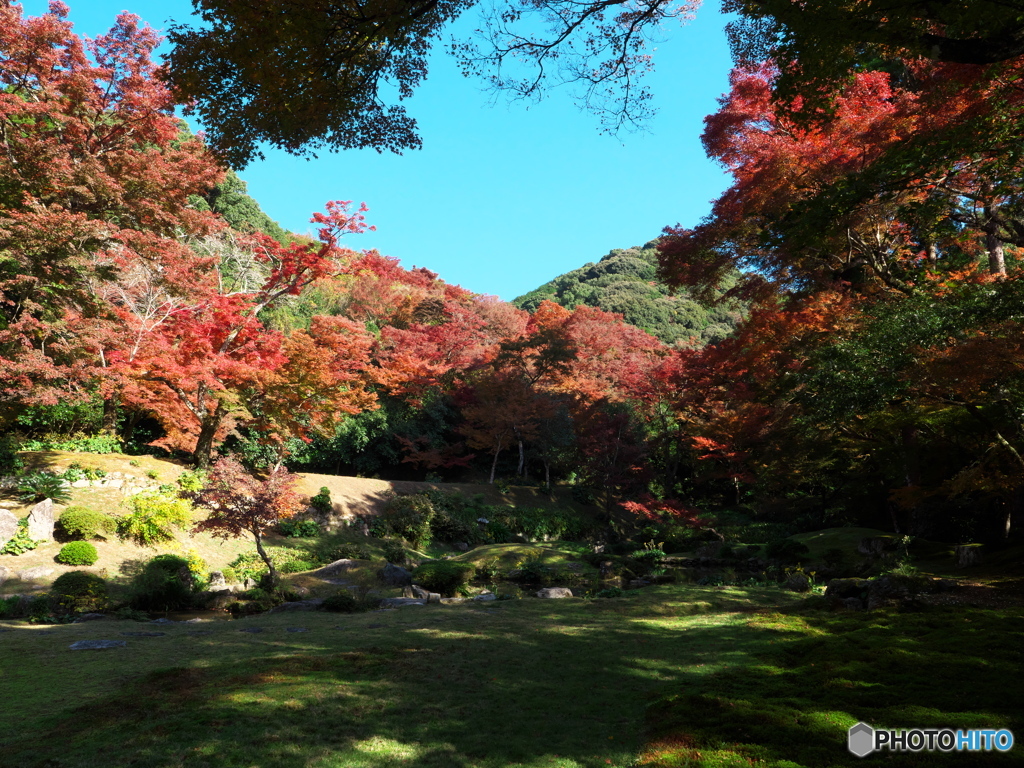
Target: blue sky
503,197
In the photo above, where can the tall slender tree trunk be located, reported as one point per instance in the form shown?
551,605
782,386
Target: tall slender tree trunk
494,464
203,453
265,558
109,424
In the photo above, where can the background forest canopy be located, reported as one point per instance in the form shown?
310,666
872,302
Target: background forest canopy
871,236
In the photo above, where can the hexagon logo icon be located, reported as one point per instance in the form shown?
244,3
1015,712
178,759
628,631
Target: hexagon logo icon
861,739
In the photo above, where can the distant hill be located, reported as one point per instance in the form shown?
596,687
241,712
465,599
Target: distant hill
626,281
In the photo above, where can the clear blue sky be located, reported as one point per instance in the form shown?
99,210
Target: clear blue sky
502,198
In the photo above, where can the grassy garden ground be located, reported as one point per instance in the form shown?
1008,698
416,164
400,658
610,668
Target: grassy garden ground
667,676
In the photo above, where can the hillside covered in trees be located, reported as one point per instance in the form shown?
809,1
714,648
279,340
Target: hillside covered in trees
626,281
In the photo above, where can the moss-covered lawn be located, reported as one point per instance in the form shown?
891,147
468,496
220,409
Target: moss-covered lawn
668,676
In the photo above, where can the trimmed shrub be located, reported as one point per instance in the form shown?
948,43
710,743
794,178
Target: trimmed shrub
346,602
408,517
786,550
86,523
79,591
322,501
299,529
163,584
77,553
192,480
154,518
341,602
331,550
394,552
444,576
296,566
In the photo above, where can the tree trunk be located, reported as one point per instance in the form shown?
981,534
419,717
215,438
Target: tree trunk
521,471
494,464
996,255
203,453
109,425
266,559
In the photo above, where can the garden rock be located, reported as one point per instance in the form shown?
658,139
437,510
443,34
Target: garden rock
842,589
462,546
395,575
97,645
555,592
39,572
298,605
798,582
40,521
415,590
968,554
8,526
4,572
485,597
398,602
851,604
876,546
217,581
335,568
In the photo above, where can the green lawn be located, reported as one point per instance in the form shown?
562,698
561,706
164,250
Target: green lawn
658,677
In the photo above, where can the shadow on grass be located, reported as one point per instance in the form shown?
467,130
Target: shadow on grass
940,668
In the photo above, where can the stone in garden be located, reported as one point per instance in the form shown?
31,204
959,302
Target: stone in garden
433,597
217,580
398,602
555,592
163,621
90,617
335,568
97,645
798,582
39,572
8,526
462,546
297,605
415,590
841,589
83,483
394,575
40,521
968,554
4,572
874,546
296,629
454,600
485,597
851,603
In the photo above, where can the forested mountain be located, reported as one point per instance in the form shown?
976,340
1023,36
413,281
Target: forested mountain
626,281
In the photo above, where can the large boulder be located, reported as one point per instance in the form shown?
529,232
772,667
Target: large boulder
798,582
8,526
395,576
336,568
41,520
555,592
840,590
217,581
38,572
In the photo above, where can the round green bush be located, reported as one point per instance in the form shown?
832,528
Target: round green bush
163,584
341,602
444,576
408,517
77,591
77,553
86,523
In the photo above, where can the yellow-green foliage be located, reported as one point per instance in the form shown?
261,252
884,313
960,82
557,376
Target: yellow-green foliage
154,518
86,523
